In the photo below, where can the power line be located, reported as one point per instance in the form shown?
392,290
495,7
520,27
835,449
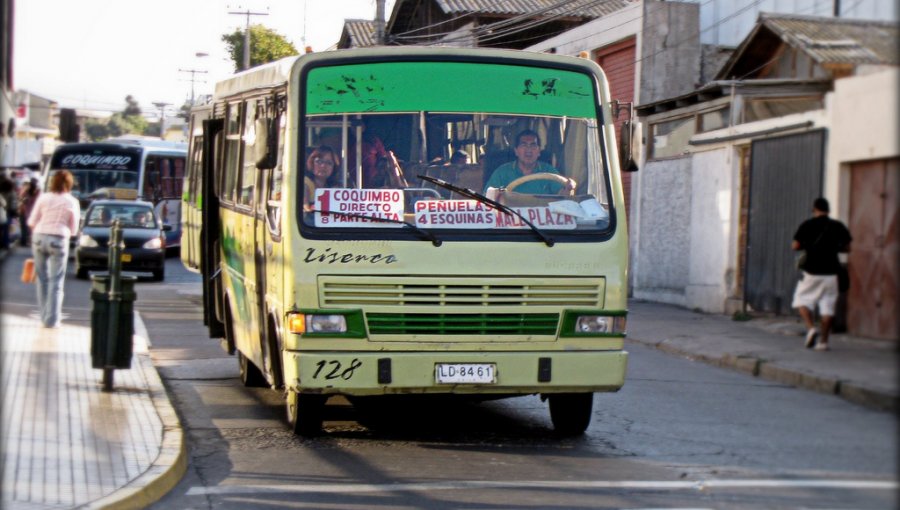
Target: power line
503,27
193,79
691,37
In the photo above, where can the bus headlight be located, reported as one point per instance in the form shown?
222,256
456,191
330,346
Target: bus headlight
314,323
86,241
153,244
614,325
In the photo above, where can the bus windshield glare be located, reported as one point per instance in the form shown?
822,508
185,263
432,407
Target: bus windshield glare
388,144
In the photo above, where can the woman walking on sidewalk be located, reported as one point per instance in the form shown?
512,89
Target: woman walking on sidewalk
53,221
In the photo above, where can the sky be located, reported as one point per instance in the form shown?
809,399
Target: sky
90,54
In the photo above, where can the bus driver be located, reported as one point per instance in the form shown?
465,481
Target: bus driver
528,150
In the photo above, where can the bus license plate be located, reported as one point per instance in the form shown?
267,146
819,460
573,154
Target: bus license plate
472,373
126,257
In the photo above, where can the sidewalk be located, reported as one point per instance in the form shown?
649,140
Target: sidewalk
863,371
68,444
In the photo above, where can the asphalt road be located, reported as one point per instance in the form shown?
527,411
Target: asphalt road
679,435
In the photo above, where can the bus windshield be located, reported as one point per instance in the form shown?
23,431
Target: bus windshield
525,138
110,172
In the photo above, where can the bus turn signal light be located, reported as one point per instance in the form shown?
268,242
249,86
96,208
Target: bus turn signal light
297,323
311,323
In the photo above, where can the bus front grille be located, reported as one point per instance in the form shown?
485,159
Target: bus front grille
462,324
460,293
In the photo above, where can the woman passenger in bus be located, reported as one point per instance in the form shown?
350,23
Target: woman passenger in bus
320,173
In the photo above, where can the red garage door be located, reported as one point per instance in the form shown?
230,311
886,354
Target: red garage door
617,61
875,251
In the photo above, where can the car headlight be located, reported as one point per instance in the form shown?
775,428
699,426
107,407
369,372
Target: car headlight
614,325
311,323
153,244
86,241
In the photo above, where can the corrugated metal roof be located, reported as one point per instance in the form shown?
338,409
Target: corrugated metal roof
361,32
837,40
575,8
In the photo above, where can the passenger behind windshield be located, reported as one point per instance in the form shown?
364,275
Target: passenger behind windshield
320,173
528,150
459,157
102,217
142,219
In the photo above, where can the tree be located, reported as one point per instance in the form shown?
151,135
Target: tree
132,107
128,121
266,45
185,111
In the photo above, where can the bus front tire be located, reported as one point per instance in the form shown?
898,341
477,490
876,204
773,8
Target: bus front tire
305,413
571,412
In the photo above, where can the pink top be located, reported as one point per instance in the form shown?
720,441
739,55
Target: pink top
55,214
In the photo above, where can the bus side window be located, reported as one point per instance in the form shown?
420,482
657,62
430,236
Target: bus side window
171,176
273,192
247,176
232,161
193,174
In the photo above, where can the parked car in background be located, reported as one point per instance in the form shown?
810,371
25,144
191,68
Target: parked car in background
142,232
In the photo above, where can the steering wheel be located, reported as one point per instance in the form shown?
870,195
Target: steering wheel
543,176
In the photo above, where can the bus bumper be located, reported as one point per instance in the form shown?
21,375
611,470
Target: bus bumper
515,373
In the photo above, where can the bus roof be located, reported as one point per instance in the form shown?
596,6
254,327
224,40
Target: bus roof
277,73
149,142
268,75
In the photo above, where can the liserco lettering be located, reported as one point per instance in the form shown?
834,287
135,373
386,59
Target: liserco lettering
93,160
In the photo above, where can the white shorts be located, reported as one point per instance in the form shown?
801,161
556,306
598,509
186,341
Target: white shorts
817,289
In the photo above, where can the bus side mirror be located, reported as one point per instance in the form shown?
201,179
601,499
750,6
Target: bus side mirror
627,158
267,143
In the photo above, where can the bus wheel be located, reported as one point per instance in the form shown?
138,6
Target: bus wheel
305,413
250,374
571,412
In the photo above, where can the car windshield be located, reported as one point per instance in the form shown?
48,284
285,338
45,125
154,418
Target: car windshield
130,216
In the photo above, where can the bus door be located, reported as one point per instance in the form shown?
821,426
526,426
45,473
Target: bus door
190,205
210,229
239,241
266,157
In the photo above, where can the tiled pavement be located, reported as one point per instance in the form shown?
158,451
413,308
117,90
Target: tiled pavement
67,443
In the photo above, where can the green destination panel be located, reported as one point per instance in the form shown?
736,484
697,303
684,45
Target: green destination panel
449,87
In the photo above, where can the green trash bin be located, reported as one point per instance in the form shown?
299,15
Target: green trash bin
100,327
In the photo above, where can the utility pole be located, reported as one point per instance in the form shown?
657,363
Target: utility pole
379,22
162,118
247,13
193,79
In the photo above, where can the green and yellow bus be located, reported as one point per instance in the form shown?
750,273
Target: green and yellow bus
413,221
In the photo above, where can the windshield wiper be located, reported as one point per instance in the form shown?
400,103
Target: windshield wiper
431,237
493,203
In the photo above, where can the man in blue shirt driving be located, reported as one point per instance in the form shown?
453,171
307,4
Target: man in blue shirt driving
527,150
